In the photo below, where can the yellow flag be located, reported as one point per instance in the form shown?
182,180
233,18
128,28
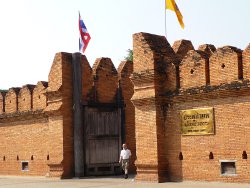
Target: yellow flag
171,5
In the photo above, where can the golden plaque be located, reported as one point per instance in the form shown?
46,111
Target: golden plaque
197,121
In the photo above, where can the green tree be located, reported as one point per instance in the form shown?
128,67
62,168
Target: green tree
129,56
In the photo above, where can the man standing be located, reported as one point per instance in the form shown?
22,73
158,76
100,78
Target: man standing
124,159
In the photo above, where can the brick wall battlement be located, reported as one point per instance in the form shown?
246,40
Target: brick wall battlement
187,68
169,80
36,121
184,67
28,98
96,80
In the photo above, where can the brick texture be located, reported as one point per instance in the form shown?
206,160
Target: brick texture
105,80
36,122
228,143
194,70
67,113
87,80
45,111
125,70
2,101
225,65
22,140
209,49
246,62
59,108
39,97
181,47
152,56
25,98
216,81
11,100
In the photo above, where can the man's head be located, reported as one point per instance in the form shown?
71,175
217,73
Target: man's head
124,146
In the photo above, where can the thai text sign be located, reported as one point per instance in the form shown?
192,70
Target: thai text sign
197,121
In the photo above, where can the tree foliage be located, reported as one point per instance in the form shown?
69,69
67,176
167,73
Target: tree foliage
129,56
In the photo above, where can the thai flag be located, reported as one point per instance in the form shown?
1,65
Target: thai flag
84,35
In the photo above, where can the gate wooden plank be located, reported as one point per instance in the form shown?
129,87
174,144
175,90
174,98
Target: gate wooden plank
103,140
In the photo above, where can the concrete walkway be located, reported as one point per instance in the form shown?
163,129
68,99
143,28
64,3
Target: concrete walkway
104,182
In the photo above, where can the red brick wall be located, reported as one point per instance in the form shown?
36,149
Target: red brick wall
124,72
11,100
22,139
145,63
25,98
193,70
56,150
39,97
67,112
147,167
55,74
2,101
246,62
152,56
161,86
225,65
181,48
38,136
87,80
51,104
209,49
105,80
228,143
59,109
210,85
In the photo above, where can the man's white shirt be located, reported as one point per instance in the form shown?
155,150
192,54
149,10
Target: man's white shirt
125,153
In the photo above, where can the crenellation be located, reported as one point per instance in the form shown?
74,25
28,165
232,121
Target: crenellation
152,47
2,101
39,96
209,78
194,70
87,79
44,83
147,95
225,65
55,74
25,98
207,48
246,62
11,100
48,107
181,48
125,69
154,53
105,80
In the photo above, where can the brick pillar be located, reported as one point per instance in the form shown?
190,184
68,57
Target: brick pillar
60,116
152,55
125,69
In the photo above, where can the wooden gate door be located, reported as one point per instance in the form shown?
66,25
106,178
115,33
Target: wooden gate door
102,140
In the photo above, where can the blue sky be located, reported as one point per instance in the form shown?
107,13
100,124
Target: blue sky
33,31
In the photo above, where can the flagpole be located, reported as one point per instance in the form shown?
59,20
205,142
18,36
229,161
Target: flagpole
165,19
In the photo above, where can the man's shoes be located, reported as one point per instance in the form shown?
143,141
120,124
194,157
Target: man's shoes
126,176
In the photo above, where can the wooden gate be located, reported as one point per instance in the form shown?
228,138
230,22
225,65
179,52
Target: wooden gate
102,140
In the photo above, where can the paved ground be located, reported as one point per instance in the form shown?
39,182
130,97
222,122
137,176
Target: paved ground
104,182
